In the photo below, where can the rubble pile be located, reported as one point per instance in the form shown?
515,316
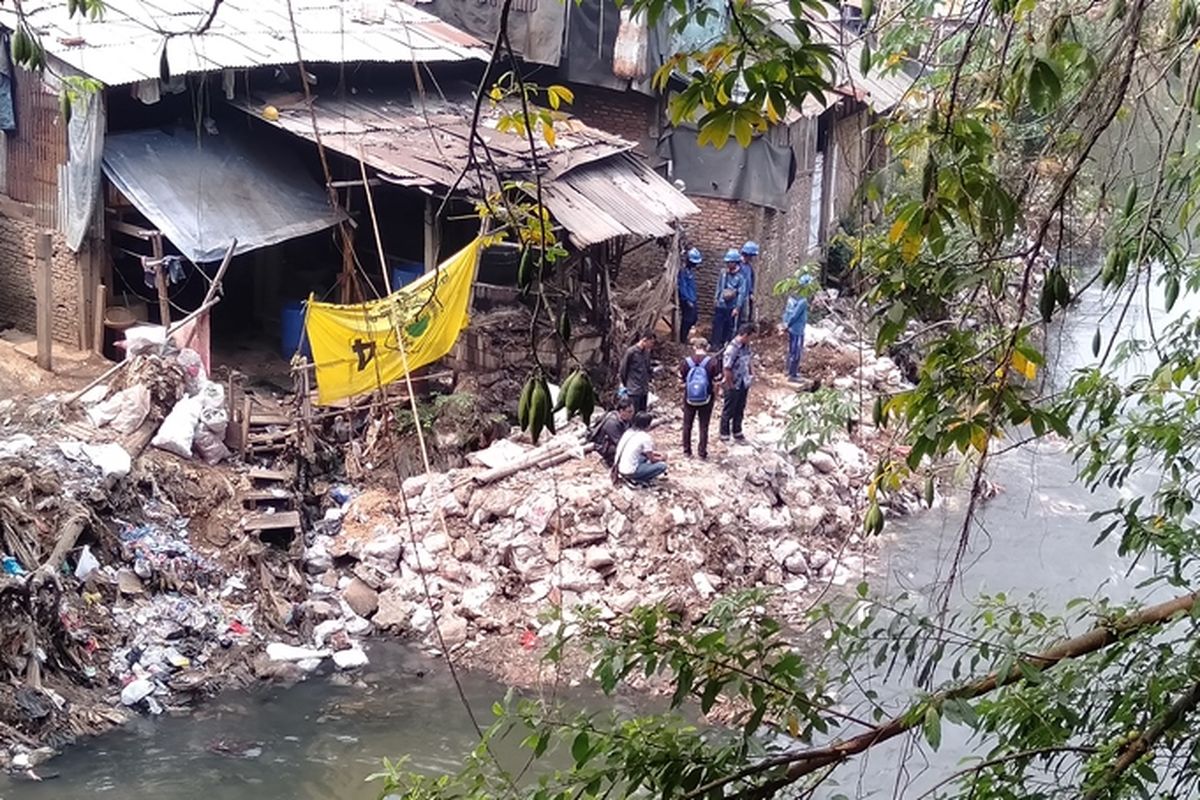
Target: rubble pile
463,561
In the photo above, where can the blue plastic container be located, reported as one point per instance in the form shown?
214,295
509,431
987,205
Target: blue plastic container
291,330
405,273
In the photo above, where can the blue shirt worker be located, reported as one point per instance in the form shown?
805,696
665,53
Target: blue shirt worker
749,254
729,300
688,312
738,377
795,319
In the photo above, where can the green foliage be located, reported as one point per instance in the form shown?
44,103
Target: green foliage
815,418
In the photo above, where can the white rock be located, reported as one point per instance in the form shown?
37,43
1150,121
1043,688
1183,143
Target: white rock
436,542
386,548
353,658
818,559
420,560
475,597
822,461
706,584
598,558
422,619
453,630
796,564
395,611
625,601
324,630
783,549
796,585
279,651
810,518
616,524
136,691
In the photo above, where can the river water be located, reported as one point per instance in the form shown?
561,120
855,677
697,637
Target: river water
320,739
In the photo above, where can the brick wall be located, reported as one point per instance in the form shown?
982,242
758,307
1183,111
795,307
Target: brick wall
18,304
782,235
630,115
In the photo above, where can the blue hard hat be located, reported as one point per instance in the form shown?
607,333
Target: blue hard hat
750,249
694,256
732,255
805,280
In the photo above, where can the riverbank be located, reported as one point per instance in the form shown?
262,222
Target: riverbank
164,597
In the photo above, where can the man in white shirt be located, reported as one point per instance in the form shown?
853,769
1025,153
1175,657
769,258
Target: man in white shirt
636,460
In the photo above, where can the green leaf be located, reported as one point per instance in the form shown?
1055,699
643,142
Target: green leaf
864,59
580,751
933,727
1171,292
1045,88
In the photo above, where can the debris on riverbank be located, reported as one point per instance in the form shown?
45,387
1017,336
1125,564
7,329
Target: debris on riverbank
470,559
140,580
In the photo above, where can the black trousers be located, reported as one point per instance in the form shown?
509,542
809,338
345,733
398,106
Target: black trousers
687,318
639,401
690,415
732,411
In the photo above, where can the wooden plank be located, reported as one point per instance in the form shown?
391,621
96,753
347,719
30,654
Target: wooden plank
263,474
99,305
160,284
44,290
280,520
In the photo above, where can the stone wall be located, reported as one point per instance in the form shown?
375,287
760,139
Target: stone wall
18,303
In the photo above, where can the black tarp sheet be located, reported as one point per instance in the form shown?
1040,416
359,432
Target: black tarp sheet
761,173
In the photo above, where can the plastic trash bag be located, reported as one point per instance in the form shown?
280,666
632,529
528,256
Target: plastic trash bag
209,440
125,411
178,430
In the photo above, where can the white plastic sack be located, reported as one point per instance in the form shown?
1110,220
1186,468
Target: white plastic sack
209,442
179,428
112,459
194,375
87,564
143,339
125,411
212,394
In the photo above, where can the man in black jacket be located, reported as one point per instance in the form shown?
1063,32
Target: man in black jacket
636,371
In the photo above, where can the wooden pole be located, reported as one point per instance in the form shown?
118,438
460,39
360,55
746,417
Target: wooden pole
44,291
210,300
160,282
431,236
99,306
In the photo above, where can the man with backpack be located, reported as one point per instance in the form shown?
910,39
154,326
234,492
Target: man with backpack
610,429
736,386
730,298
701,375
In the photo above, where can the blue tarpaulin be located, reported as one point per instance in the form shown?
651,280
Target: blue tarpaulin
203,192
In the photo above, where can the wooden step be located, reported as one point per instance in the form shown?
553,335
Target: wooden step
269,497
264,475
280,520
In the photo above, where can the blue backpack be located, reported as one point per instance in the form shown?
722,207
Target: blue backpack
699,389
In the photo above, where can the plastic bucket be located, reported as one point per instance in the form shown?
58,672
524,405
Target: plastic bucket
405,273
291,331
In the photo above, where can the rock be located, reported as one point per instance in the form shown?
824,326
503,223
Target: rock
765,519
386,548
325,630
796,564
823,462
783,549
412,487
818,559
474,599
453,629
625,601
420,560
845,517
394,612
615,524
278,651
706,584
810,518
850,455
422,619
436,542
136,691
773,576
599,558
354,658
796,585
461,549
319,610
361,597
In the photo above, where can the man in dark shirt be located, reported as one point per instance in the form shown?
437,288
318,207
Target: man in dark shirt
636,371
608,431
736,384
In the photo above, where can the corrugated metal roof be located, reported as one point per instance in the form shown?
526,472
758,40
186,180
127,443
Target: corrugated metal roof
201,194
124,46
417,144
619,196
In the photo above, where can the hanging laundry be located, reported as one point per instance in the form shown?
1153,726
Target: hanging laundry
174,268
149,272
147,91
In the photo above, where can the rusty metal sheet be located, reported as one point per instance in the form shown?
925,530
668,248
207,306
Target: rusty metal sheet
124,46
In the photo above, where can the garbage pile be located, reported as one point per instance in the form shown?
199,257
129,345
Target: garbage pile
476,558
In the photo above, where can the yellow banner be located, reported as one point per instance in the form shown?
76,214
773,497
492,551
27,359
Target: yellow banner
355,348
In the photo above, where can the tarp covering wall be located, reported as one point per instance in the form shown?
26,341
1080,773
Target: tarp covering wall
203,192
85,144
761,173
591,36
535,27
